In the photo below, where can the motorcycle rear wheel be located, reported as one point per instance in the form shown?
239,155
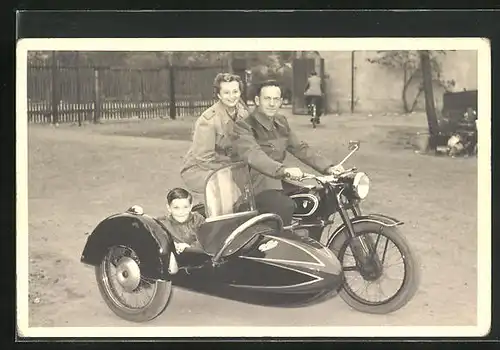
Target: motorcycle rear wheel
314,115
411,266
154,306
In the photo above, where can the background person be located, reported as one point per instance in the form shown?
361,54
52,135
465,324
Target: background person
314,92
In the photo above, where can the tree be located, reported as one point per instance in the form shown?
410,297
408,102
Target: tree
430,109
263,64
408,64
275,60
38,57
127,59
276,65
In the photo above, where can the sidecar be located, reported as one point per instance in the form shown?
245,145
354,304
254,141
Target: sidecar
244,251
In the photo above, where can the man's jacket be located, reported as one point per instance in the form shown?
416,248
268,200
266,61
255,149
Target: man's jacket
262,143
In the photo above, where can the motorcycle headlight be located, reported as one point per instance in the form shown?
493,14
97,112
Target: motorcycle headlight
361,185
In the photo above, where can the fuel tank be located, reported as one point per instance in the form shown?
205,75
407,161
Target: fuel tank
306,204
289,264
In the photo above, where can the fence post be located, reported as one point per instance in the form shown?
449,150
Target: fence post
239,67
172,92
353,81
230,60
78,91
325,107
97,96
55,97
141,74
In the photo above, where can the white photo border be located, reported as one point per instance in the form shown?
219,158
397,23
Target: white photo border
262,44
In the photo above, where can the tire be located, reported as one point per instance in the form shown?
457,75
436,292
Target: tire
154,308
412,271
314,115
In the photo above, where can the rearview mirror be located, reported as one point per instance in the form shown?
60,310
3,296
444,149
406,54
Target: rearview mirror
353,145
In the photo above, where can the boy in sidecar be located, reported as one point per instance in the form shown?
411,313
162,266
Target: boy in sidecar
181,220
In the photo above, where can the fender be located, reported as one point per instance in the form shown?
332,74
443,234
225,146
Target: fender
381,219
146,235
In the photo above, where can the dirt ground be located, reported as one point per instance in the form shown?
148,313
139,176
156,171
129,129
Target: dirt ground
78,176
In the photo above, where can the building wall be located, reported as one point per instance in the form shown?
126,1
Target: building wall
379,89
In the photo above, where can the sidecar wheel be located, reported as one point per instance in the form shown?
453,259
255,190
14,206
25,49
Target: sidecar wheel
119,288
410,280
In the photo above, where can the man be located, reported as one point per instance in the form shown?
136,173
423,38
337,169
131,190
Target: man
262,140
314,91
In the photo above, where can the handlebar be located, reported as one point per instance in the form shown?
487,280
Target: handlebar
331,178
326,178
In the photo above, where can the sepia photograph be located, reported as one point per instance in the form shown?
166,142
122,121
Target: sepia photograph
253,187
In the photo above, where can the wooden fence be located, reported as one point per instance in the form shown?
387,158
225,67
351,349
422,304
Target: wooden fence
68,94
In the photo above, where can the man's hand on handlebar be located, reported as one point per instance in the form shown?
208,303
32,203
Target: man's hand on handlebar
293,173
297,174
335,170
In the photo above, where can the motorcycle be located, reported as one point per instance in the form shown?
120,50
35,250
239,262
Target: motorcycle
315,209
458,125
133,254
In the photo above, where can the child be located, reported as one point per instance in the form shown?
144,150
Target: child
181,221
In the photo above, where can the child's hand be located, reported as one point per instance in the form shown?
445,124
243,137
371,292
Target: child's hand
179,247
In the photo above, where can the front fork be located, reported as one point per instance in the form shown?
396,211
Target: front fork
363,248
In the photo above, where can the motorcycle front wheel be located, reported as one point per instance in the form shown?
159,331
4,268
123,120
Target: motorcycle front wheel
122,286
378,238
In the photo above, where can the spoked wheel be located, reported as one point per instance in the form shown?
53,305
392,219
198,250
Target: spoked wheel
387,280
126,292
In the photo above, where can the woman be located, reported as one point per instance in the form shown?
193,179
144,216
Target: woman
211,148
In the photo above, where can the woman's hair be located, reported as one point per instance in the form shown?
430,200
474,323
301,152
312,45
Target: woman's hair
178,193
226,78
